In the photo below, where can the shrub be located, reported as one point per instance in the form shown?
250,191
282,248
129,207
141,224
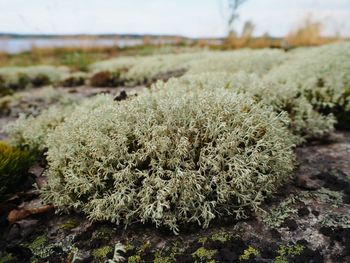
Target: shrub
76,60
168,158
14,165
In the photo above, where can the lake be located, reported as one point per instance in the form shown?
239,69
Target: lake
16,45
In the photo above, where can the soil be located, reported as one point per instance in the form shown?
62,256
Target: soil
308,220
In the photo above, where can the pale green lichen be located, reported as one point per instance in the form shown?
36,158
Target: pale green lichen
334,198
335,220
241,140
118,248
22,77
276,216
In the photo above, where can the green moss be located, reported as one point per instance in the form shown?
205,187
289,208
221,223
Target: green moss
144,247
104,232
38,243
6,257
204,255
129,247
69,224
233,126
221,236
40,247
202,240
101,253
14,164
158,258
134,259
288,251
249,253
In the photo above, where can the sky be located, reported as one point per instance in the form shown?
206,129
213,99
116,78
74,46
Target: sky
191,18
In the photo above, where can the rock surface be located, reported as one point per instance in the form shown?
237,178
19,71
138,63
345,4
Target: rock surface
306,221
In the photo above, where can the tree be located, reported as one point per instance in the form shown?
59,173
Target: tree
233,16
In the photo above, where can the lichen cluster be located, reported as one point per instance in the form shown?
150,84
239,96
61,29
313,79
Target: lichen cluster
304,121
18,78
168,161
212,143
31,102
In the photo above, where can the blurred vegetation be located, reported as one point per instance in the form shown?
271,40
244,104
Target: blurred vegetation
78,58
14,164
308,33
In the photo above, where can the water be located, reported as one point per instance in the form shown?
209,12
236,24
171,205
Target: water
16,45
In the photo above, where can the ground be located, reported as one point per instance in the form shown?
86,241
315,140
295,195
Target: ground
308,220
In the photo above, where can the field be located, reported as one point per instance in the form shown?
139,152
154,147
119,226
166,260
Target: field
176,155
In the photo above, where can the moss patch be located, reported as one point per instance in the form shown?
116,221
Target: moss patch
204,255
101,253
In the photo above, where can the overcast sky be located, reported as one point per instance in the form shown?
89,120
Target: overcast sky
192,18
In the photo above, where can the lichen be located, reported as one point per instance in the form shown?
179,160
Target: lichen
69,224
104,232
204,255
276,216
334,198
101,253
249,253
210,141
221,236
288,251
202,240
336,220
158,258
38,243
134,259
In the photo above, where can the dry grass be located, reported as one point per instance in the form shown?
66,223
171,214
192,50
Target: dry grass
308,33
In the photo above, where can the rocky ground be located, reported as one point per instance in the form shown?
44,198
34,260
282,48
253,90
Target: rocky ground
306,221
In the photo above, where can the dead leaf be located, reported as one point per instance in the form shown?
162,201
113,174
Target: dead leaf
27,210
